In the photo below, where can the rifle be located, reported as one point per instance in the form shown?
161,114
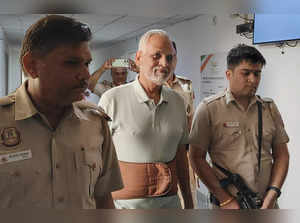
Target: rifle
246,198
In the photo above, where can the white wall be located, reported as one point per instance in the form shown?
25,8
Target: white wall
14,69
3,64
280,77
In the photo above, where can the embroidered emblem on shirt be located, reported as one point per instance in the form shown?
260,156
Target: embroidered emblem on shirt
10,136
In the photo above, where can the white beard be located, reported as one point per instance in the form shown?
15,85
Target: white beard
158,78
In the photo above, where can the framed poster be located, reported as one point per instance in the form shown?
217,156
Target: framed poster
212,71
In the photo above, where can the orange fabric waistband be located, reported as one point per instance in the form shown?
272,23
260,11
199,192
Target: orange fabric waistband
142,180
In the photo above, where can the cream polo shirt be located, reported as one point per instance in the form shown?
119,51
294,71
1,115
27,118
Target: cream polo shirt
229,134
142,131
62,168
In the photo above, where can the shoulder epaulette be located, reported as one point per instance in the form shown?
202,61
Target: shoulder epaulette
7,100
183,78
268,100
93,108
214,97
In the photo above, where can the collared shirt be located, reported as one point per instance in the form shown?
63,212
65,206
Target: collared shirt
63,168
142,131
229,133
184,88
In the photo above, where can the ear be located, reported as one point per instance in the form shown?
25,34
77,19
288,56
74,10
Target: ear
138,56
29,64
228,74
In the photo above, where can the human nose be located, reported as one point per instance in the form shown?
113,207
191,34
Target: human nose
165,60
84,73
254,80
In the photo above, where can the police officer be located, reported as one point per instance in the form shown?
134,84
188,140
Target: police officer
226,126
118,74
183,87
55,150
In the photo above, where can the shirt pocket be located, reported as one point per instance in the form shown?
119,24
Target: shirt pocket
12,188
229,138
91,168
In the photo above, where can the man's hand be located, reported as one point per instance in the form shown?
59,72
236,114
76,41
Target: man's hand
279,171
182,170
98,73
107,64
269,200
105,202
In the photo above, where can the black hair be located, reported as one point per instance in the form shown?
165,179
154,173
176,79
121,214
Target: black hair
243,52
174,45
52,31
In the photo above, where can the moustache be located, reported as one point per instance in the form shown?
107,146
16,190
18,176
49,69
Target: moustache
161,70
253,86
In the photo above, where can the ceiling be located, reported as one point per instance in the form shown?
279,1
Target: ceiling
111,21
107,29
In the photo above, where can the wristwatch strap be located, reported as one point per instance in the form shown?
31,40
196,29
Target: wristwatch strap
278,191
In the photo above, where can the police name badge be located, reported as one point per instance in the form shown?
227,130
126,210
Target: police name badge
16,156
231,124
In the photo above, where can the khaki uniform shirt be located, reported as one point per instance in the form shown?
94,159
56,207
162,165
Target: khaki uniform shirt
100,88
66,167
142,131
229,134
183,87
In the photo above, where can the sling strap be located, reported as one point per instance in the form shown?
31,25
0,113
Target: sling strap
260,127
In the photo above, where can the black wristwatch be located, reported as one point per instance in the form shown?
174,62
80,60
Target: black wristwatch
278,191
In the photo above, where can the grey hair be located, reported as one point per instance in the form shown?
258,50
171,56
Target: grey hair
146,36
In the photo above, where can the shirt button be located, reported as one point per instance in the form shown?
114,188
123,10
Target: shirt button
93,166
61,199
